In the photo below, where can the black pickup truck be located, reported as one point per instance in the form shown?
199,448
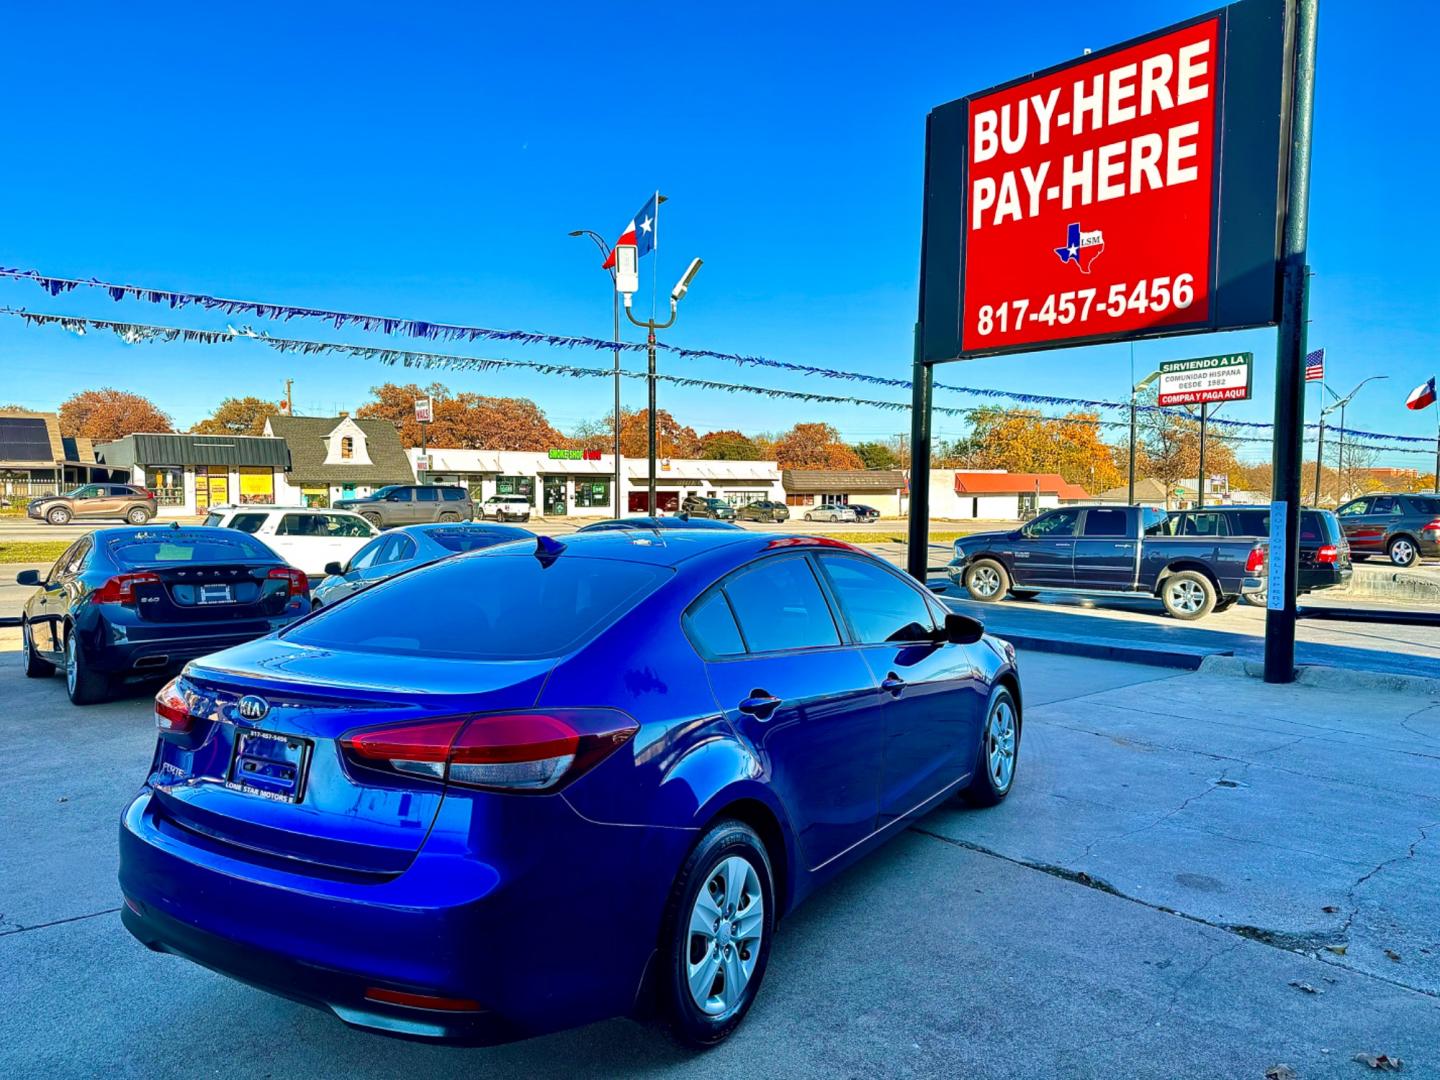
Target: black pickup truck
1107,551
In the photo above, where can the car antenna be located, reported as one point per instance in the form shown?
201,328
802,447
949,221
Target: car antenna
547,550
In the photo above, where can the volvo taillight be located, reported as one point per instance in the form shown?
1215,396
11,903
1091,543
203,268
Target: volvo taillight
299,583
172,713
120,589
1328,554
534,751
1256,562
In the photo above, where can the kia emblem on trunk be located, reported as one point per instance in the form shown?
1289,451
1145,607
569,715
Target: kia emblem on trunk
251,707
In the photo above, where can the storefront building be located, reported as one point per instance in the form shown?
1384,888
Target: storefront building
575,483
35,459
337,457
883,489
191,473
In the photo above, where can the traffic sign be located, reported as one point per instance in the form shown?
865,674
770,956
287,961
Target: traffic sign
1112,197
1206,379
424,413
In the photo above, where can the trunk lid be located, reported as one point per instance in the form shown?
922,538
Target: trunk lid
211,593
269,778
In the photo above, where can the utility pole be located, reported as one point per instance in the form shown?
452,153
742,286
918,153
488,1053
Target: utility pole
1320,453
289,398
615,312
1135,389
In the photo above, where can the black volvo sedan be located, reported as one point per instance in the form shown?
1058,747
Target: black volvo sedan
128,603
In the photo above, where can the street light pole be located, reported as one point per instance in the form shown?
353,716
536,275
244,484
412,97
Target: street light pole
1137,388
615,310
1340,404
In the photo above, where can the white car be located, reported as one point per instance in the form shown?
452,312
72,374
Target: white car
830,512
307,538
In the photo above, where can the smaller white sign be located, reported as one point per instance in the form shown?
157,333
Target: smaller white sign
1205,379
1275,595
423,412
422,463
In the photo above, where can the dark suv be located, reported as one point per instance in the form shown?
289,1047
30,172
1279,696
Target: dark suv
1403,528
1324,552
763,510
698,506
411,504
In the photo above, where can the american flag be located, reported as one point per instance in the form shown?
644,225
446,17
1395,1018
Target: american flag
1315,366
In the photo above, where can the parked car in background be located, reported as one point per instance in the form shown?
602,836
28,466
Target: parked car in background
504,508
133,602
304,537
830,512
680,521
406,548
864,513
1324,551
763,510
699,506
124,502
398,808
1402,528
411,504
1110,551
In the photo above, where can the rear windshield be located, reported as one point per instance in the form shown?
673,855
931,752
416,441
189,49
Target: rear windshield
472,539
485,607
161,547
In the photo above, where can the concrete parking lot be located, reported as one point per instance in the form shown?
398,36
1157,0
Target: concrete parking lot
1197,875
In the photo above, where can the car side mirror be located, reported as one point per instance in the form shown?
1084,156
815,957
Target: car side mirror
962,629
28,577
334,569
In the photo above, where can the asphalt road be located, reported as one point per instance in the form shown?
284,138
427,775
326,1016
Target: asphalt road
1144,905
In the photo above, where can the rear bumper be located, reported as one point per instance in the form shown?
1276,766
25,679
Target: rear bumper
121,649
525,936
1324,578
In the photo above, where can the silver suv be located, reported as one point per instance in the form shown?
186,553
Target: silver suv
411,504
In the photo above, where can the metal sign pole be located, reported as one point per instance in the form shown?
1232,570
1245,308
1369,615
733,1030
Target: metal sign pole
922,396
1301,16
1200,480
1319,454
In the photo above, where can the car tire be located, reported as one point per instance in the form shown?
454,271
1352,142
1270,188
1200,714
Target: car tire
999,753
986,581
449,516
1188,595
809,517
84,685
138,516
58,515
35,667
373,519
1254,599
1401,551
727,874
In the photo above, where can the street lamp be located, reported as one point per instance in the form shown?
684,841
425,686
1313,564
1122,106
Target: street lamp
1136,389
1338,403
615,298
626,280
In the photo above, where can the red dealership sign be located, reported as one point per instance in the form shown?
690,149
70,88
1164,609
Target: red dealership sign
1086,203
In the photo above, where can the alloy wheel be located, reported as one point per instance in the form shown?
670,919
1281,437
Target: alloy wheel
71,664
1000,744
985,580
1186,596
25,646
1402,553
726,922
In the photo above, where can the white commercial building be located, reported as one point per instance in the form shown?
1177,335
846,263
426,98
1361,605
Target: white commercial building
562,483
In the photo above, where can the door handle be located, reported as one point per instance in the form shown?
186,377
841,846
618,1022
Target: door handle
760,704
893,684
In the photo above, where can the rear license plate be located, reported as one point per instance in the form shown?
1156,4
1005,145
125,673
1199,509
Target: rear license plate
216,594
270,765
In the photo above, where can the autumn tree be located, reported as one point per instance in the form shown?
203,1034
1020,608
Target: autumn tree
1170,440
729,446
465,420
814,446
106,414
878,455
238,416
672,438
1023,440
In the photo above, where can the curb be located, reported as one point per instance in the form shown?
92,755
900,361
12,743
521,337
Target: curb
1124,651
1383,583
1324,678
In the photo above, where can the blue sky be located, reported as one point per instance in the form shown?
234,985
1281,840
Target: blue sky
428,161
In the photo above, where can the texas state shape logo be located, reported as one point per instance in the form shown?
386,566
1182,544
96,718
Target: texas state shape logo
1081,248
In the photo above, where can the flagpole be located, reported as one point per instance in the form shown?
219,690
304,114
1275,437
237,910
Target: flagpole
1437,449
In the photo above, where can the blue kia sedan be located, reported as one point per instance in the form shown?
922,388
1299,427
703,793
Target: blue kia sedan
551,782
128,603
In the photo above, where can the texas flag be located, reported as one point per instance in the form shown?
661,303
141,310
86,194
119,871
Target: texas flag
1422,396
641,230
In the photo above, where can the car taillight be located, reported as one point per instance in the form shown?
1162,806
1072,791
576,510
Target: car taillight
120,589
172,713
1256,562
1433,526
518,752
299,583
1328,553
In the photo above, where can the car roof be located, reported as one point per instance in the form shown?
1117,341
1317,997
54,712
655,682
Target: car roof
675,546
